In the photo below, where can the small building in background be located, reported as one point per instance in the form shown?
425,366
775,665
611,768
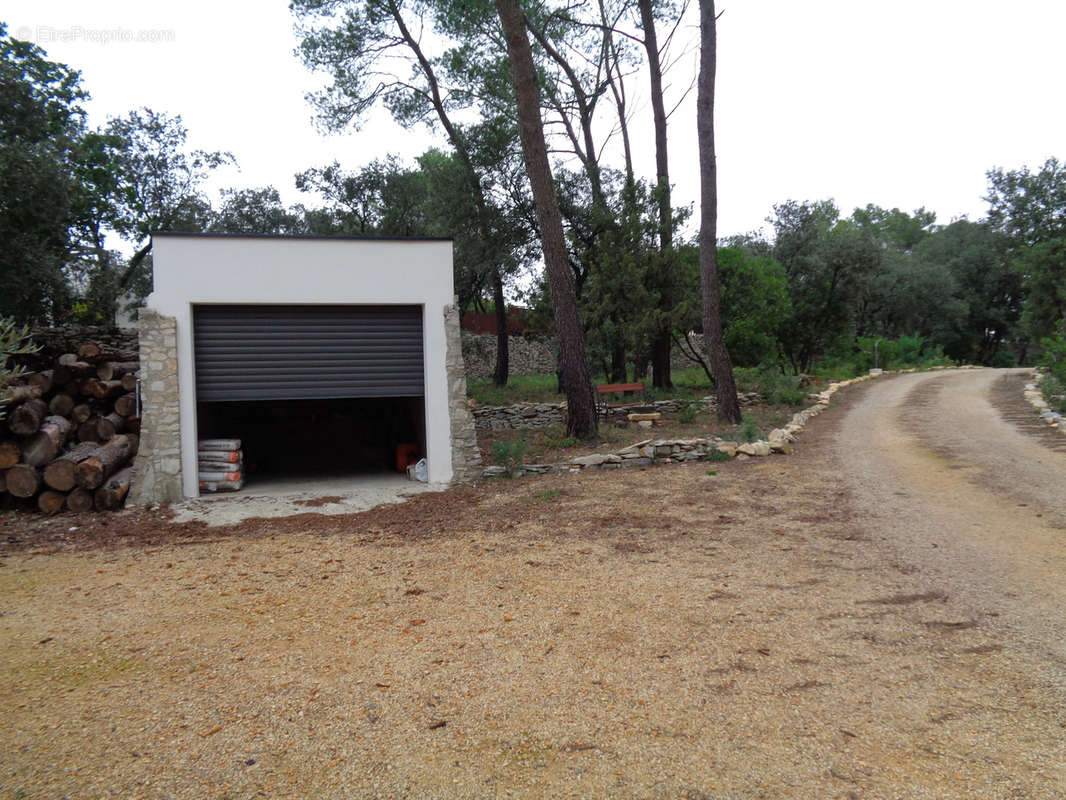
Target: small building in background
324,356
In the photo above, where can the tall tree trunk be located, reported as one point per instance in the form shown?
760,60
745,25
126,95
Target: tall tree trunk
581,404
661,377
503,354
724,385
617,372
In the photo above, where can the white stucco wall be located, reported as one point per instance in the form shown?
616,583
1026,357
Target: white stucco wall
191,270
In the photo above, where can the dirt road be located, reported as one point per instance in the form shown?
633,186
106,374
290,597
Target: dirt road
877,616
959,479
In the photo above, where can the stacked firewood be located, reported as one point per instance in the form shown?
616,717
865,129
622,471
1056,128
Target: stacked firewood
70,432
221,465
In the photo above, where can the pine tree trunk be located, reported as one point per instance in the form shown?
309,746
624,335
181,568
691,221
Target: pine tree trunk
503,351
725,386
660,361
581,420
661,377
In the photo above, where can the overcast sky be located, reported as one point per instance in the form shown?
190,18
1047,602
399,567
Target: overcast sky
901,104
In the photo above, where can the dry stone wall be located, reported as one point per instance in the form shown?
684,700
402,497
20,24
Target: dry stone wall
54,342
528,355
1042,406
543,415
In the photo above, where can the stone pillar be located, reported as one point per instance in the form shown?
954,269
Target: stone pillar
466,458
157,468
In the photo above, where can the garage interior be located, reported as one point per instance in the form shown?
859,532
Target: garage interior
312,391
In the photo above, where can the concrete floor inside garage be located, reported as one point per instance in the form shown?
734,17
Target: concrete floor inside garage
286,496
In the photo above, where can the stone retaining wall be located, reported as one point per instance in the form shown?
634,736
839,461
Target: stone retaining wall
543,415
54,342
1040,404
528,355
532,355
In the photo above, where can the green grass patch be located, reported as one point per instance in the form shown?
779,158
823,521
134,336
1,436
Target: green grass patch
519,389
546,496
556,438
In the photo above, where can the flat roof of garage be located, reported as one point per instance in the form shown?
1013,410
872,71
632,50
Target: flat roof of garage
193,234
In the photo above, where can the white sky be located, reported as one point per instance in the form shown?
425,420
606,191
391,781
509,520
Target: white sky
900,104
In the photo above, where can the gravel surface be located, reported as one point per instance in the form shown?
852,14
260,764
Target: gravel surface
827,625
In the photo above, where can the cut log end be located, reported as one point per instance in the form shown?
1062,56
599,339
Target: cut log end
80,500
23,480
51,502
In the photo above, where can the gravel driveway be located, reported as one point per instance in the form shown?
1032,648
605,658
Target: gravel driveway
877,616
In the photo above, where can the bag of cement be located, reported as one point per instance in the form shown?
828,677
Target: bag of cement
221,456
220,486
422,471
219,444
220,477
215,469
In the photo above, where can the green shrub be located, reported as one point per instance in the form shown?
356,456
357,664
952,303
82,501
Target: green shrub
909,350
775,387
1004,358
509,455
716,456
1055,392
14,341
689,411
1053,357
748,431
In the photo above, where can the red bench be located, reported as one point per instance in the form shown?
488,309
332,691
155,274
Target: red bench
617,388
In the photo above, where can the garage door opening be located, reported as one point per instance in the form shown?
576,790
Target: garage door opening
304,438
312,390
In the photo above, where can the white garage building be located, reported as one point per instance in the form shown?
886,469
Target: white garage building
320,354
